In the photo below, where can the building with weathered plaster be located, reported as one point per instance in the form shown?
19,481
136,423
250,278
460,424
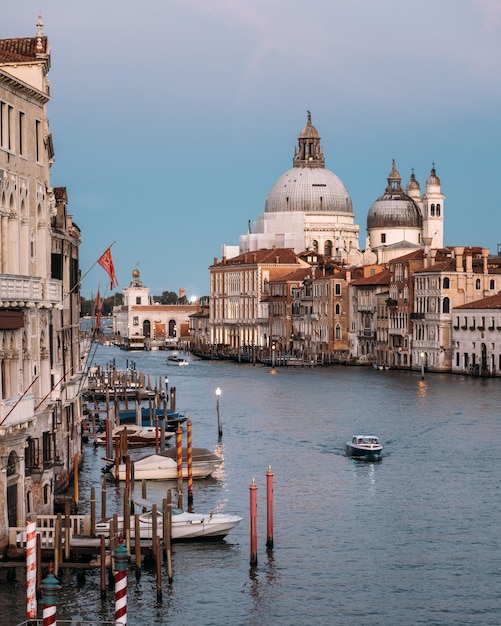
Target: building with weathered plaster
40,365
476,337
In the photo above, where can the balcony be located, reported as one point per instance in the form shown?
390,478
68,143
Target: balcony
417,316
22,291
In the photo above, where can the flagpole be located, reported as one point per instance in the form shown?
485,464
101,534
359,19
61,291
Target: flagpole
88,271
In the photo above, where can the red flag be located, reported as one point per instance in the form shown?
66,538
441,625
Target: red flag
106,262
98,310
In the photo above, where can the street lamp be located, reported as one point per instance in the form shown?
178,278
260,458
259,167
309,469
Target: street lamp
422,355
219,424
273,355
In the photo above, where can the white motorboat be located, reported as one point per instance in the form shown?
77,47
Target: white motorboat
364,447
163,466
176,360
185,525
136,435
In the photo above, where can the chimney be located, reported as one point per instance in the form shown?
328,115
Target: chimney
485,254
427,243
469,263
458,251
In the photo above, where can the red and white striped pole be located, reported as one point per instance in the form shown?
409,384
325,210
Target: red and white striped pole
121,557
189,453
31,570
179,461
49,587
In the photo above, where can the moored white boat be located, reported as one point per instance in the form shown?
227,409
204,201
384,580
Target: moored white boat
364,447
136,435
163,466
185,525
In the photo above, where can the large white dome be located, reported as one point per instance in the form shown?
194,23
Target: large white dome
309,190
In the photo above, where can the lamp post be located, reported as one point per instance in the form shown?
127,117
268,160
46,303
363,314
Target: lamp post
219,424
273,355
422,355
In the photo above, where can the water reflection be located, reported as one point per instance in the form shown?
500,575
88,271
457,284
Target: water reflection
422,388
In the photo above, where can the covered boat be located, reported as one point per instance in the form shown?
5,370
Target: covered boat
163,465
364,446
136,435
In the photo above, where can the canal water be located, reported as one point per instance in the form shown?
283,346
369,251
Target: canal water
412,539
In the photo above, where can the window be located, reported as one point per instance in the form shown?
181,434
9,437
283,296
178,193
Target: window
135,320
383,237
446,283
22,134
438,210
446,307
38,140
492,284
338,309
477,283
138,299
337,289
432,210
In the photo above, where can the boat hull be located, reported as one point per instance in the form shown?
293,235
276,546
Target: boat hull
363,453
185,526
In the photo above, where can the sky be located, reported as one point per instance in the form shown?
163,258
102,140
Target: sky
172,119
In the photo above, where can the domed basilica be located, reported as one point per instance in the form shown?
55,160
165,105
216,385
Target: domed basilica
310,209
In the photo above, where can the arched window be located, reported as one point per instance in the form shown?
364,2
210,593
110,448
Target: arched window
492,284
446,282
338,331
328,249
172,328
446,305
338,309
477,283
438,210
432,210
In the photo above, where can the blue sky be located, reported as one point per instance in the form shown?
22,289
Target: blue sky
172,119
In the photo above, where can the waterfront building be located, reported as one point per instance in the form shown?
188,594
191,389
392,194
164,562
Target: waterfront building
369,331
239,296
476,332
142,324
452,278
40,367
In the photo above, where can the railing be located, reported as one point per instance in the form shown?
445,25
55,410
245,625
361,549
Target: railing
46,528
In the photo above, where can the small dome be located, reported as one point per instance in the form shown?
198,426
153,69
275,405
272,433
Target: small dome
412,184
394,209
309,190
433,179
309,131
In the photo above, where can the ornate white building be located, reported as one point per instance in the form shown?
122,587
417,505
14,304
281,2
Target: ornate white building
400,222
308,208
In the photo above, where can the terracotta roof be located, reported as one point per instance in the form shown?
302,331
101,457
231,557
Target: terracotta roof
295,275
381,278
491,302
262,257
22,50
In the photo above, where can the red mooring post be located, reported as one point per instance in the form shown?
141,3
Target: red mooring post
121,557
269,508
179,459
49,587
189,438
253,523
